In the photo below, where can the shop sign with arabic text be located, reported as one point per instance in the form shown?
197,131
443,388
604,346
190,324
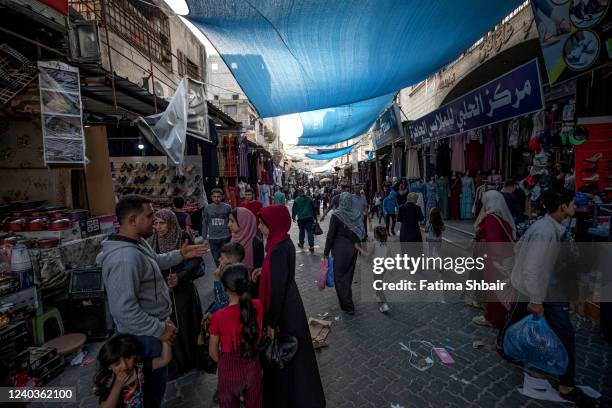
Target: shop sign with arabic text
516,93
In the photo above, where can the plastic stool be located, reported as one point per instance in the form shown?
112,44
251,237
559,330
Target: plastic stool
68,344
42,324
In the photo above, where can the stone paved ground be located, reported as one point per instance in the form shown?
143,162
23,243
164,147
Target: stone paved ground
365,367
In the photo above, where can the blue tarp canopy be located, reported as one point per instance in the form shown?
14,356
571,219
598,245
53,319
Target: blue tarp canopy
293,56
330,155
329,126
337,149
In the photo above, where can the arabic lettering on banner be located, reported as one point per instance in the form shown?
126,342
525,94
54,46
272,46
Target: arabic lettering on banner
387,128
516,93
575,36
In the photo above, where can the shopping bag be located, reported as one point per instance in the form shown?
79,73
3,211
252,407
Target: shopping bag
330,272
322,281
533,342
316,229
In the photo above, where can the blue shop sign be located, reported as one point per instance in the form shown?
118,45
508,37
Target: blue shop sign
387,128
517,93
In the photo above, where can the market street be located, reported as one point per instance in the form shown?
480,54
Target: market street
364,365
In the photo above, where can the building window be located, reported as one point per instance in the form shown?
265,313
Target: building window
214,67
231,109
139,23
235,97
216,97
186,66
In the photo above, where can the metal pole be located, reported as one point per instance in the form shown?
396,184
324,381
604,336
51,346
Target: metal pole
108,50
152,75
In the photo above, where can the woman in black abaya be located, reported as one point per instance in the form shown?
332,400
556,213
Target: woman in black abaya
297,385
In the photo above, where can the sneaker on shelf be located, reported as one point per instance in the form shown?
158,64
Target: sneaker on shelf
384,308
481,321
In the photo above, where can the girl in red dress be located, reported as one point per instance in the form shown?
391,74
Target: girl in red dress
234,334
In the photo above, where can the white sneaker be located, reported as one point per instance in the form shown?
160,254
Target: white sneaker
384,308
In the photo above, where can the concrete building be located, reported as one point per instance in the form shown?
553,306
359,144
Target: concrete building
224,92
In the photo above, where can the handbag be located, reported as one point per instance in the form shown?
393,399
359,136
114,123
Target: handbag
317,230
330,272
204,360
279,350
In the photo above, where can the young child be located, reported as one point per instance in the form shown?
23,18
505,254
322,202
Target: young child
378,250
231,253
434,228
124,376
234,334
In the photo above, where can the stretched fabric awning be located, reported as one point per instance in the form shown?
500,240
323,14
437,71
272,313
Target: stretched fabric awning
331,155
329,126
302,55
324,151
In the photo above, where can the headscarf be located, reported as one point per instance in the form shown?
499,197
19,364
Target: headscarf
493,203
248,228
172,239
412,198
349,215
278,221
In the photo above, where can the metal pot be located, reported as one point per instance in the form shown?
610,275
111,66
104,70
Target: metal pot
60,224
37,224
16,225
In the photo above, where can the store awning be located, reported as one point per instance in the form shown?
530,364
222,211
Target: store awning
295,56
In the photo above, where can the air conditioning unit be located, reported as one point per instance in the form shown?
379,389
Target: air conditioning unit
84,41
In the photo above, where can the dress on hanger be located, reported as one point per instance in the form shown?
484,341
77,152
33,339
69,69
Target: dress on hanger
458,157
221,156
412,167
230,164
243,152
467,197
490,150
443,159
473,151
442,184
455,196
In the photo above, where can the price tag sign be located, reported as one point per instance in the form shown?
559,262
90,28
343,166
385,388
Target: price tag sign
90,227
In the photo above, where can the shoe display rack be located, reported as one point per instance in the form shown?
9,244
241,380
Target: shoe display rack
153,177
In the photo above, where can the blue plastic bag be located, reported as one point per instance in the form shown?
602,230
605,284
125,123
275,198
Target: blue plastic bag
533,342
330,272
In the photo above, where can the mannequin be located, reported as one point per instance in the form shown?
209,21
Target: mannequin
467,196
432,196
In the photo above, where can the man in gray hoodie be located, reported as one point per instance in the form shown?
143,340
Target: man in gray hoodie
138,297
214,223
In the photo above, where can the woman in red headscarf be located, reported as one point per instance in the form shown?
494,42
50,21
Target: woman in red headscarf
243,225
299,383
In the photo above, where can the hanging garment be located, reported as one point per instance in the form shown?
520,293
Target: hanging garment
243,151
412,171
455,196
269,166
221,156
230,154
432,197
473,151
458,158
396,170
443,159
259,169
443,193
467,197
264,190
490,149
278,176
513,133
